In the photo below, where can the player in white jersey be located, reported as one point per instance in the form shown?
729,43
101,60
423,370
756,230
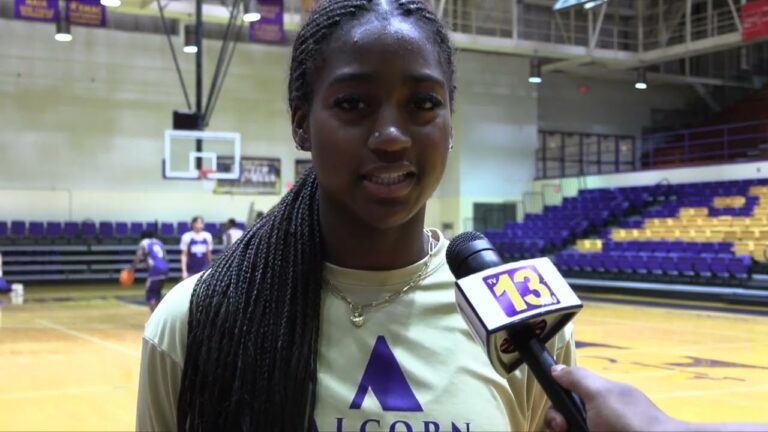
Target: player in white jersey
196,249
231,233
337,311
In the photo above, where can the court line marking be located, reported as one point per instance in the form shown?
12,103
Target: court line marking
678,350
656,326
74,391
89,338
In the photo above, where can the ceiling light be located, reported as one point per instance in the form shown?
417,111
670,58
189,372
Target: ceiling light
63,34
250,13
534,77
640,83
190,47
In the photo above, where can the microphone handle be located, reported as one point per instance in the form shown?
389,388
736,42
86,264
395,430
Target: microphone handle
540,362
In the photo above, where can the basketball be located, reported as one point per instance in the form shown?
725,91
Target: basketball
126,277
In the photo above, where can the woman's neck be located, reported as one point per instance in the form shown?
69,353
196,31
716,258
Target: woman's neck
350,243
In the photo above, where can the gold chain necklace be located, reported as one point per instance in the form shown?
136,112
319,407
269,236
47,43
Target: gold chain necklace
358,311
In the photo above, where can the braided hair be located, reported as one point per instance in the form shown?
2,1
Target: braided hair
254,317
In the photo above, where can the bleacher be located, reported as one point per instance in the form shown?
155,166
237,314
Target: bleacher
558,226
69,251
704,233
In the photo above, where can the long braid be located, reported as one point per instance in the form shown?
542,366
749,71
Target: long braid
254,317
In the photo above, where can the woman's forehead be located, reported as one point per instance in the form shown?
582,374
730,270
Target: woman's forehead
371,38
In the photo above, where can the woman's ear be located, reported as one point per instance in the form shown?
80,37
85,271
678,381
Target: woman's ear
300,127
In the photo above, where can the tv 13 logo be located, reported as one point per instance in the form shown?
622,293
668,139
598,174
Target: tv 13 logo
519,290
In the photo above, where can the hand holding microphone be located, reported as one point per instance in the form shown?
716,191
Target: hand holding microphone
513,310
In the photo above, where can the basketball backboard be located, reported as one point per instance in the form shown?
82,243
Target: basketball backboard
187,152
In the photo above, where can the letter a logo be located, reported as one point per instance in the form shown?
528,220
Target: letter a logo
386,381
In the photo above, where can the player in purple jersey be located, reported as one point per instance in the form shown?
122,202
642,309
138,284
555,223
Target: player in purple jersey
196,249
150,254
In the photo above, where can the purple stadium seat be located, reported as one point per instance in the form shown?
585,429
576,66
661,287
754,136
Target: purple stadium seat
653,262
638,262
669,264
241,226
684,264
106,230
121,229
71,229
708,248
88,229
3,229
584,262
136,229
596,262
36,229
739,265
166,229
724,248
212,228
151,226
610,262
719,265
624,261
18,228
182,227
54,229
701,265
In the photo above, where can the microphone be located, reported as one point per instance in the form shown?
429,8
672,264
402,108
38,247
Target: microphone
513,310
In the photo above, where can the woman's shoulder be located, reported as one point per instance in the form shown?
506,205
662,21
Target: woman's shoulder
167,326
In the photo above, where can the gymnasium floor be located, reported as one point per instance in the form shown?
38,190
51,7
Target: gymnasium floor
70,357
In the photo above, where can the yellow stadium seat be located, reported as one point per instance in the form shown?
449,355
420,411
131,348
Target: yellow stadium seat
740,222
743,248
732,235
716,236
749,234
758,254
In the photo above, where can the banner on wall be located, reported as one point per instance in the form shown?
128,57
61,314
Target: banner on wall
270,27
37,10
258,176
301,166
86,13
754,20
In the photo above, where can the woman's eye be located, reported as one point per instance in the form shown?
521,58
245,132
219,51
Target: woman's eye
349,103
427,102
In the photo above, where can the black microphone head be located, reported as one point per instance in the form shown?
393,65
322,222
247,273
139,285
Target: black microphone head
470,252
453,254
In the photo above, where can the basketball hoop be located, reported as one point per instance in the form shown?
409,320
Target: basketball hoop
208,184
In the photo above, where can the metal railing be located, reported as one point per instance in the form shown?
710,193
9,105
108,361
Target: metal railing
729,142
540,24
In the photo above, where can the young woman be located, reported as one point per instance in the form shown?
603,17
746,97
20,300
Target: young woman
336,310
196,249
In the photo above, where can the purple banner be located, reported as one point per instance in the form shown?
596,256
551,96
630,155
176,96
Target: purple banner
270,27
86,13
37,10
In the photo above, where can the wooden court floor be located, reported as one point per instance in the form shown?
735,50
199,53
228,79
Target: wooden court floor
69,358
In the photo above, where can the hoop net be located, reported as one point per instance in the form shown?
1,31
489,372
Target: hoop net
208,184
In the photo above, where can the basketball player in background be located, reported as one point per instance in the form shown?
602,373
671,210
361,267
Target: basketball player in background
231,233
196,249
150,254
